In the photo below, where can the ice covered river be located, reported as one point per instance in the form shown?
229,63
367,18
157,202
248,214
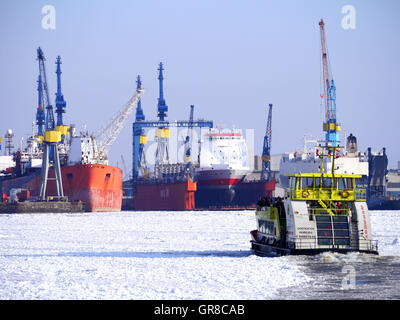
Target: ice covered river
180,255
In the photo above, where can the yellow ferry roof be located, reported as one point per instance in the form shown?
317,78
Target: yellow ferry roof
319,174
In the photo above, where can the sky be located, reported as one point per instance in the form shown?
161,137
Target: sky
230,59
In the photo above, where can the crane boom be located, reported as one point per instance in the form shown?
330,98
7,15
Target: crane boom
40,117
50,124
330,125
110,133
325,66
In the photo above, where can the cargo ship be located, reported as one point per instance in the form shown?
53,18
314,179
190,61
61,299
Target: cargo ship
162,194
86,175
223,166
215,181
96,184
222,171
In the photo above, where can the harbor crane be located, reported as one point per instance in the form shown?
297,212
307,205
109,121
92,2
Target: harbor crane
330,126
139,137
108,134
266,154
40,116
163,132
162,127
60,102
187,152
52,137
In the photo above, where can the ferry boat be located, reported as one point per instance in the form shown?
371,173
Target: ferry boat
322,211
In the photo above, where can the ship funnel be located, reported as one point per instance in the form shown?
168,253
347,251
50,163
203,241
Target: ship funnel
351,145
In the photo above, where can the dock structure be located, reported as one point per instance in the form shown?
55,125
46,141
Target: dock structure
42,207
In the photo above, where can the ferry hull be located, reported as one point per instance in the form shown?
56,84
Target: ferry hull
99,187
264,250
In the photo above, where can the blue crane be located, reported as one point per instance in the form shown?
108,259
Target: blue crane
139,138
162,132
266,154
330,125
162,107
51,138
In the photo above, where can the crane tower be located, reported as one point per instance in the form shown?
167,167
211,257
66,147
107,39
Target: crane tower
52,137
266,154
330,125
163,132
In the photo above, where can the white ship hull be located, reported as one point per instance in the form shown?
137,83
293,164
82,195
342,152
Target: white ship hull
344,165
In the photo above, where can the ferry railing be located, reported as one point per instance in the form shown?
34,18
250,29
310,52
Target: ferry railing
331,243
313,212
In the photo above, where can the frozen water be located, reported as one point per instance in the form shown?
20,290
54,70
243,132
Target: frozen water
137,255
173,255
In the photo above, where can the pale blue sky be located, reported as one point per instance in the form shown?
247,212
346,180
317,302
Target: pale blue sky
228,58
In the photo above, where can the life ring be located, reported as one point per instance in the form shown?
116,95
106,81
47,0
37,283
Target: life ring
306,194
345,194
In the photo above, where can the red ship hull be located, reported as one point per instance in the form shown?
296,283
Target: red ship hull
176,196
99,187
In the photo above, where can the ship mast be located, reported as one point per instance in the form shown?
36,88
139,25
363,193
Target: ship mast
162,133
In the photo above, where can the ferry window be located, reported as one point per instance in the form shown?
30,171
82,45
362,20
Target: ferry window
326,182
342,183
307,183
342,233
317,182
342,241
349,183
324,233
339,219
291,182
324,225
335,183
